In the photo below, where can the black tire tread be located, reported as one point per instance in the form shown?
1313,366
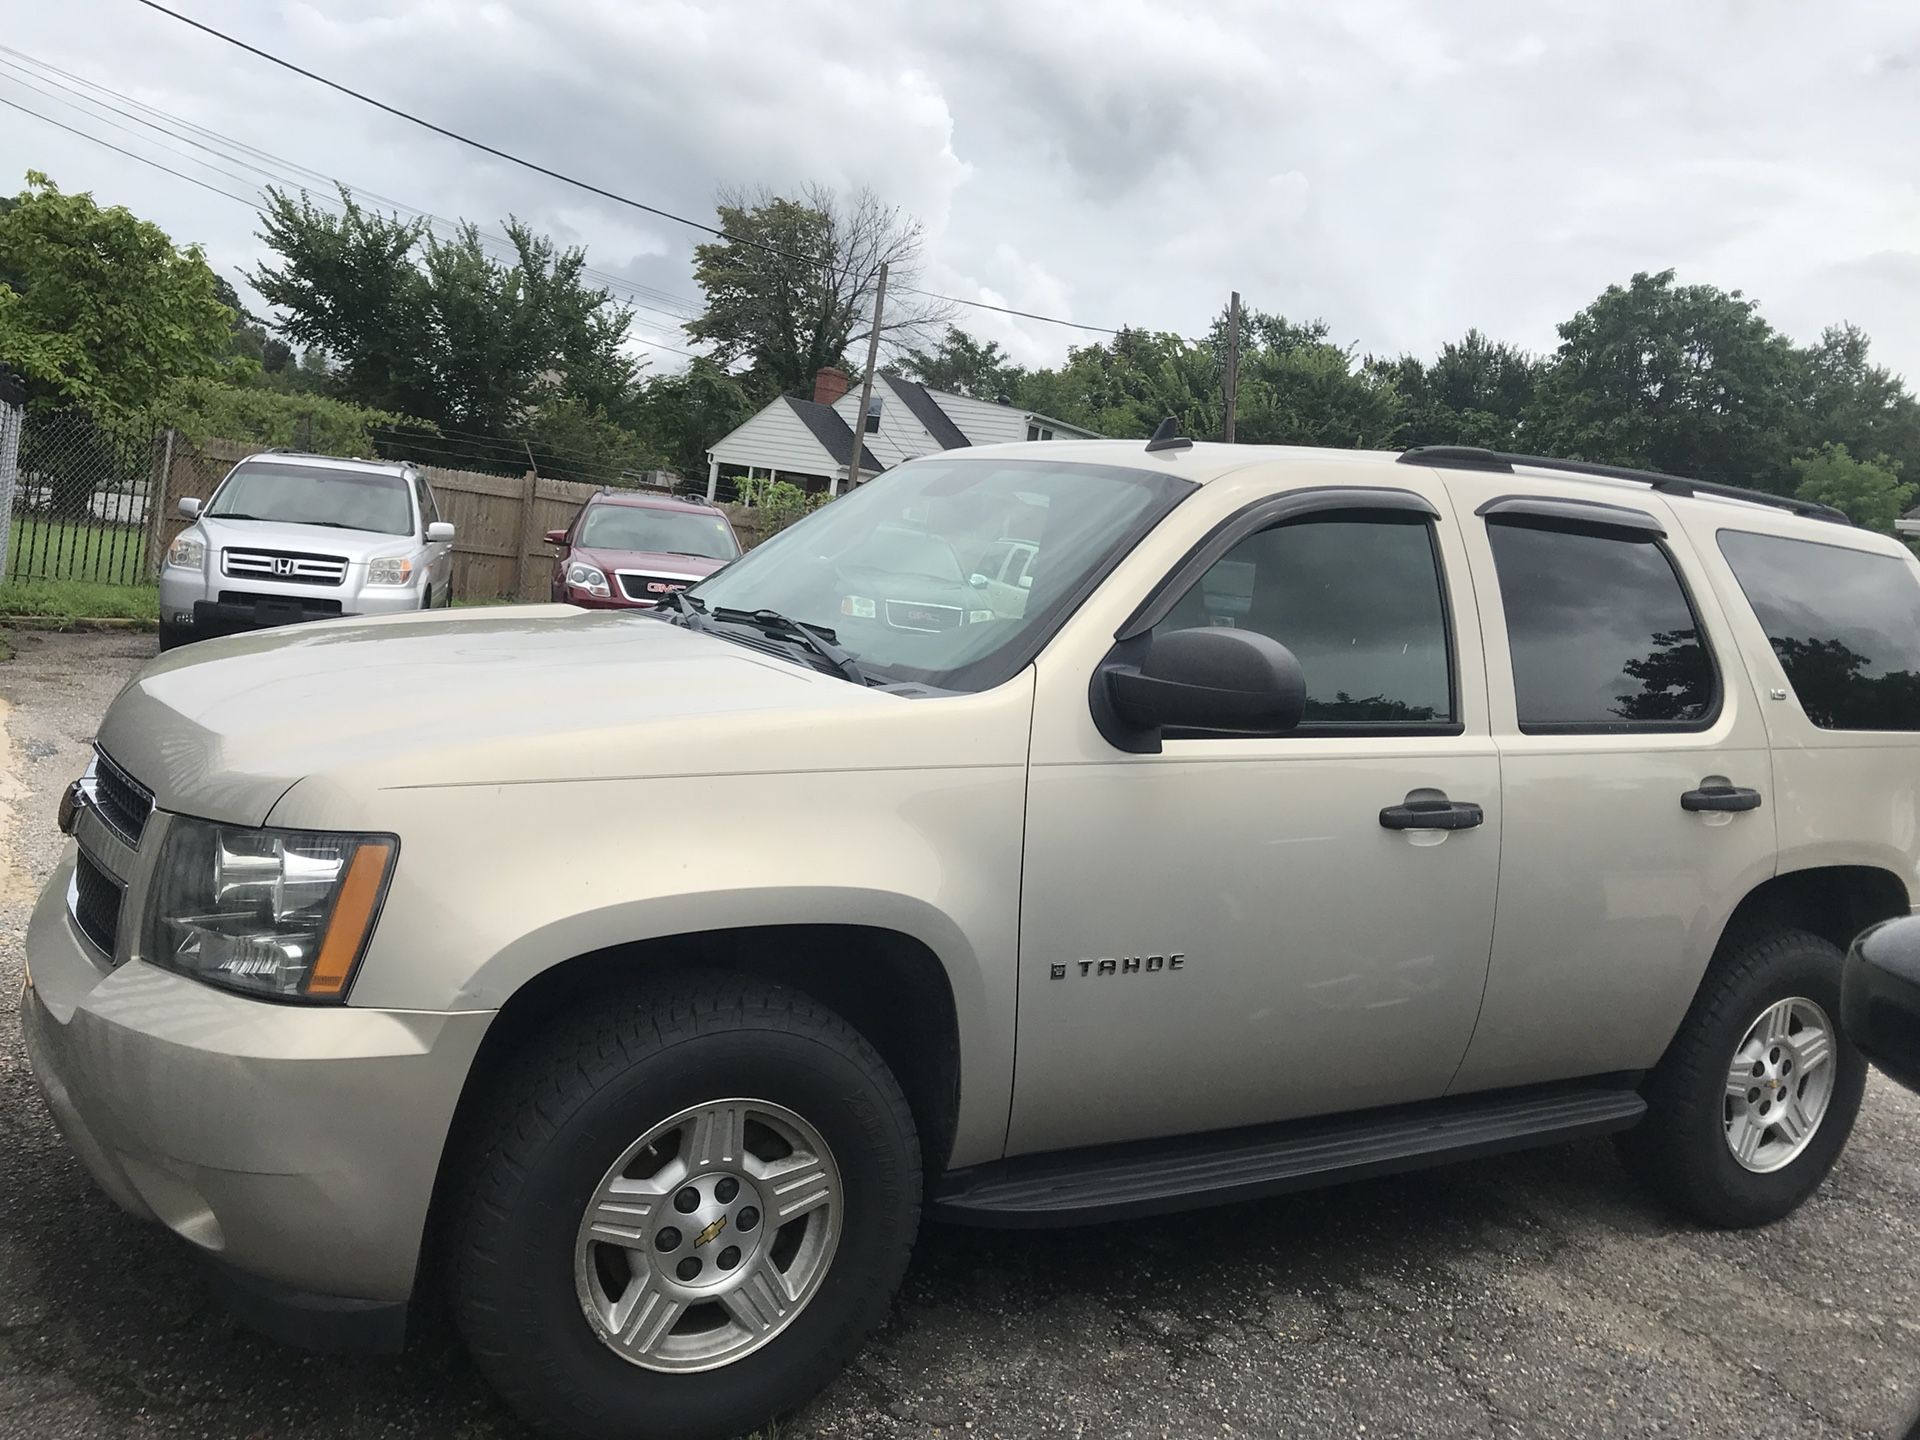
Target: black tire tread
1658,1150
568,1062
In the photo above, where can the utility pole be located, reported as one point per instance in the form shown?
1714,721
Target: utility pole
866,386
1233,364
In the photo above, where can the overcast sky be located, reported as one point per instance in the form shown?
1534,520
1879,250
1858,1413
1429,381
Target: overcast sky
1402,170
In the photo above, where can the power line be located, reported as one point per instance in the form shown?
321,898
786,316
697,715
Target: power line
191,180
575,181
627,289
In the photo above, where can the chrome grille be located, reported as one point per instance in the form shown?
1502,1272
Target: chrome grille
651,588
94,900
291,566
120,800
930,619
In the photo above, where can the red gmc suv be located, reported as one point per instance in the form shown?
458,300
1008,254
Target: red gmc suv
627,550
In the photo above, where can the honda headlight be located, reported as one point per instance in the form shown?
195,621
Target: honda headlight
280,913
390,570
589,578
188,552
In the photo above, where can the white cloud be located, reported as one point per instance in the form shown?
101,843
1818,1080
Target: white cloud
1400,169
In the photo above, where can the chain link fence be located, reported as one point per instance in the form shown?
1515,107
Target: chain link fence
82,501
12,417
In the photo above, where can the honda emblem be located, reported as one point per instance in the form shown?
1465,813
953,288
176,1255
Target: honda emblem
282,565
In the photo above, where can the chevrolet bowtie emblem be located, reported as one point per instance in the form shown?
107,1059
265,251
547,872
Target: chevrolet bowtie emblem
707,1234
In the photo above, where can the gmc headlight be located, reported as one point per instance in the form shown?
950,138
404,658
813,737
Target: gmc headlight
280,913
188,552
390,570
589,578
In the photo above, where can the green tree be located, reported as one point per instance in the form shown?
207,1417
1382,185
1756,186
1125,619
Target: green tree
441,329
679,416
262,416
1855,403
99,308
572,439
1869,491
1476,391
790,288
962,365
1683,378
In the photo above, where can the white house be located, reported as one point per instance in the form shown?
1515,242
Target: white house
813,439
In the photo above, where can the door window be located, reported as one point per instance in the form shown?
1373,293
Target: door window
1845,624
1358,601
1602,634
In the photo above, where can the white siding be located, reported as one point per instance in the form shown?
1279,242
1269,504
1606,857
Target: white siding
775,438
982,421
900,437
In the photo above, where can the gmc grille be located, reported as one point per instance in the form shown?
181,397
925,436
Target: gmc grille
290,566
120,800
95,903
652,588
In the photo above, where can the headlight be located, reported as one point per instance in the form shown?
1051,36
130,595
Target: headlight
280,913
589,578
390,570
188,552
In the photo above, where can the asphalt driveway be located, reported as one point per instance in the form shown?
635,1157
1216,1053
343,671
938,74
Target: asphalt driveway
1530,1296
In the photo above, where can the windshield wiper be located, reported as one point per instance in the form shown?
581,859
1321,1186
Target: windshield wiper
683,605
817,638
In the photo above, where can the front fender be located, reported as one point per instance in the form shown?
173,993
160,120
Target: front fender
496,884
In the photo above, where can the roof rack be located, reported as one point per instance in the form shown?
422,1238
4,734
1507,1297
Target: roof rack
1472,457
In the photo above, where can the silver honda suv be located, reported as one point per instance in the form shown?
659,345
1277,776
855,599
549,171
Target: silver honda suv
286,538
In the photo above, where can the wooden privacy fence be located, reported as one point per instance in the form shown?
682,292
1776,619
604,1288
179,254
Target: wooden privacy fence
499,522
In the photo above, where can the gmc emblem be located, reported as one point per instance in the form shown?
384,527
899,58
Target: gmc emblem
664,587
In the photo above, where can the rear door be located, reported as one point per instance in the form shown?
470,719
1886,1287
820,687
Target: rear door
1622,714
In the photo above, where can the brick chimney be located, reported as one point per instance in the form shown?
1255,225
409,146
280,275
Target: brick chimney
829,385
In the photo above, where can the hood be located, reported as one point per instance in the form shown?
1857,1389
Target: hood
653,562
224,728
354,545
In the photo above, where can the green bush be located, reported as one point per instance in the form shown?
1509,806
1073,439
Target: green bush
779,502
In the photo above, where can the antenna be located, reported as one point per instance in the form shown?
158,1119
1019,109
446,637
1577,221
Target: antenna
1168,437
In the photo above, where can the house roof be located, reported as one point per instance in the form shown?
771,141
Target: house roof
927,411
833,434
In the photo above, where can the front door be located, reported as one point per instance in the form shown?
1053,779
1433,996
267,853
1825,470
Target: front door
1250,928
1619,704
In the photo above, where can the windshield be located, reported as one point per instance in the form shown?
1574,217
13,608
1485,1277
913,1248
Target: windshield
911,572
313,495
670,532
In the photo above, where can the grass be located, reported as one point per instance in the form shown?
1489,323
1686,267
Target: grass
76,550
79,600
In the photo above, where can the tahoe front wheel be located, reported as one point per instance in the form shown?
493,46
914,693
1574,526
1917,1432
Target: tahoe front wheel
699,1200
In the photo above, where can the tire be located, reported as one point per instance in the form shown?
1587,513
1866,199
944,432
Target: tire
426,598
572,1114
1684,1149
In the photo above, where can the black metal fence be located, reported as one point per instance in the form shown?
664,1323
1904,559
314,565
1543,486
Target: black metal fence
81,503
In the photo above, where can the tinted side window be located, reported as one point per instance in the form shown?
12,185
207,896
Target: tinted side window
1357,601
1601,632
1845,624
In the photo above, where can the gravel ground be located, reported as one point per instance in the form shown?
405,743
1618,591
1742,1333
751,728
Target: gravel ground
1530,1296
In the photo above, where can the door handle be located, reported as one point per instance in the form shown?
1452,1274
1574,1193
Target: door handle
1432,814
1721,797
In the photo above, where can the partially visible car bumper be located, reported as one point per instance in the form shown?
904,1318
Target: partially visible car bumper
189,605
295,1146
1880,999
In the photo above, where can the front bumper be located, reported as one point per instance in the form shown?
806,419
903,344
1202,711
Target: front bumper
295,1145
189,603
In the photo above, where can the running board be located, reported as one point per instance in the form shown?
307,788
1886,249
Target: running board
1114,1182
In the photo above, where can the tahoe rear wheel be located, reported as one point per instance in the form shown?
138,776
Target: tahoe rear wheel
699,1199
1756,1096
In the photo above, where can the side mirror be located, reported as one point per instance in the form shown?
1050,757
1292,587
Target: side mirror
977,580
190,509
438,532
1215,678
556,537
